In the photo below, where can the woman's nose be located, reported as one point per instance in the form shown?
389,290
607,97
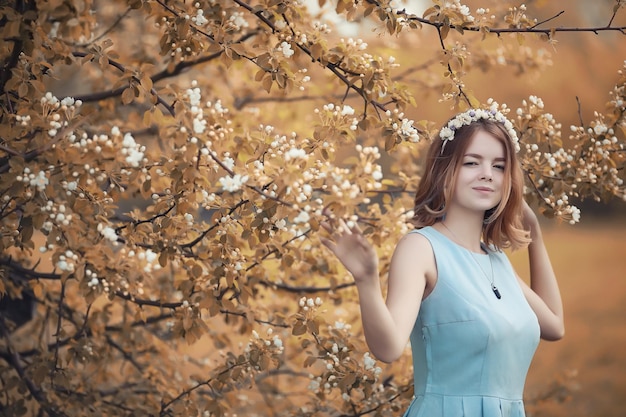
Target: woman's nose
486,173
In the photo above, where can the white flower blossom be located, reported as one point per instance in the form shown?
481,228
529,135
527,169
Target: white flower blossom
150,255
286,50
194,96
295,153
238,21
199,18
368,361
40,180
277,342
347,110
281,224
199,125
303,217
229,162
109,233
234,183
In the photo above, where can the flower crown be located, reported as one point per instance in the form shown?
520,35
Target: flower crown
473,115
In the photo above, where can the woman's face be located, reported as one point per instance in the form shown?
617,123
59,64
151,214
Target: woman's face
481,174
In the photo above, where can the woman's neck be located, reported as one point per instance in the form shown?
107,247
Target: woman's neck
465,231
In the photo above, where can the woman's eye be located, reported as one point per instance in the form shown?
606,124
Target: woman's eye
470,163
500,167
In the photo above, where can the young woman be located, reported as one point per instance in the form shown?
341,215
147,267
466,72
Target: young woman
472,322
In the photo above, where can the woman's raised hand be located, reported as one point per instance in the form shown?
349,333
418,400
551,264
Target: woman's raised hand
529,218
354,251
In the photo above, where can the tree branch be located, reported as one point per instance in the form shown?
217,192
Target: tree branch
14,360
120,90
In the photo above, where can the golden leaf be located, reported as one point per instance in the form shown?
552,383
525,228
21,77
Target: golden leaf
267,83
128,95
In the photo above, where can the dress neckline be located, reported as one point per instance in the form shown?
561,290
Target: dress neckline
484,247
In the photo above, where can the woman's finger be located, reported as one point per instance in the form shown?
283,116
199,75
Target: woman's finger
343,227
354,227
329,244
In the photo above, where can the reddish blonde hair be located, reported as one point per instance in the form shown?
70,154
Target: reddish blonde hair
503,224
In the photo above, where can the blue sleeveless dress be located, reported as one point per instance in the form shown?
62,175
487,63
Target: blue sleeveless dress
471,350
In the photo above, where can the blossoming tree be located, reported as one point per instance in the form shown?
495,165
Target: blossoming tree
164,168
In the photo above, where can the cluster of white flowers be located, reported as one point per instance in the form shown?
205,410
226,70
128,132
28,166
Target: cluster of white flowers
309,303
618,94
302,217
95,281
285,49
315,383
227,224
68,106
601,146
55,124
234,262
402,126
280,24
281,224
189,307
369,154
342,325
286,148
519,12
368,361
217,129
193,94
95,143
273,342
50,102
322,28
343,186
277,342
199,124
86,351
296,153
199,18
228,161
494,112
209,200
237,21
562,207
369,364
67,261
39,180
149,257
56,215
23,120
303,39
108,233
355,43
457,6
305,78
133,151
339,111
233,183
332,362
69,186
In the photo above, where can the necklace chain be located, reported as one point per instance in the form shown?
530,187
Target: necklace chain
492,279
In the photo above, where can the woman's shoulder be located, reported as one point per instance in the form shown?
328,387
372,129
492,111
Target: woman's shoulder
415,243
427,235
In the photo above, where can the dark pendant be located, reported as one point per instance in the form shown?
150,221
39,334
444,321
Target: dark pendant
495,291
